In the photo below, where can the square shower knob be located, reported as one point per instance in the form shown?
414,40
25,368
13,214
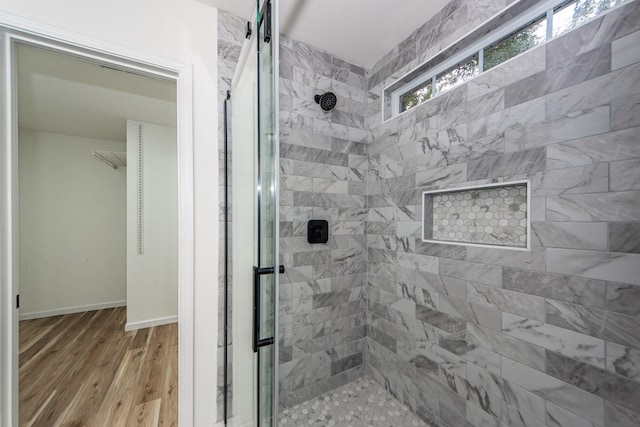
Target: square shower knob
317,231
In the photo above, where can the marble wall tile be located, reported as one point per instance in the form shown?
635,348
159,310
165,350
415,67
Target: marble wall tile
480,314
559,417
625,175
624,361
624,51
517,69
621,206
623,298
595,380
507,346
612,266
618,416
625,112
510,164
620,145
624,237
481,273
609,326
514,397
577,69
570,235
578,125
560,393
620,83
530,260
507,301
577,346
526,113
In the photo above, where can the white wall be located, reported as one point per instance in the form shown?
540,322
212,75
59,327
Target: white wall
152,245
185,31
72,219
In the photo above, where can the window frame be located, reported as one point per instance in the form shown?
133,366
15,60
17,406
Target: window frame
543,10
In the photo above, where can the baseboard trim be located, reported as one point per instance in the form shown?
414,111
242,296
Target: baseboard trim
132,326
69,310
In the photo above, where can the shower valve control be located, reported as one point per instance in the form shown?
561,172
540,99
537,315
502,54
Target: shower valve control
317,231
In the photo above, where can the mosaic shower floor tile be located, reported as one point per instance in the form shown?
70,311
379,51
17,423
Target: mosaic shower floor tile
357,404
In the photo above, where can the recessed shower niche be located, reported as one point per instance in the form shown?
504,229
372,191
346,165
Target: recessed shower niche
491,215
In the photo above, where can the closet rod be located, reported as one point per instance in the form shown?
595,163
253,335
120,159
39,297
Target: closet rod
100,157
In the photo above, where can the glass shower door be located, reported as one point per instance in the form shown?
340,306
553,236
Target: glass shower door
267,222
254,188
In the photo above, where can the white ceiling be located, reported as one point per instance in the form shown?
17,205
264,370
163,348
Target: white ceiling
65,95
357,31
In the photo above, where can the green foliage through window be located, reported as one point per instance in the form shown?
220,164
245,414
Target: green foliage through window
526,38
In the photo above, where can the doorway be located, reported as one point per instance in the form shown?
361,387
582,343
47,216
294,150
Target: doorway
183,162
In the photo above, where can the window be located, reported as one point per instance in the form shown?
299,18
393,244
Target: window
458,74
569,15
523,40
543,21
415,97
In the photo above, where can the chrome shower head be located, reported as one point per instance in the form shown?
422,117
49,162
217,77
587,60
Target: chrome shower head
327,101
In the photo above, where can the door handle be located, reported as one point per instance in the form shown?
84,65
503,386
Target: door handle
257,272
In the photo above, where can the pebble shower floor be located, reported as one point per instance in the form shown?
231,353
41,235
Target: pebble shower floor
357,404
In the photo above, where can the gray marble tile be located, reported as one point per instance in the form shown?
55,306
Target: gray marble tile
562,394
624,361
575,345
623,299
441,177
578,125
574,70
525,65
507,301
518,163
616,267
597,381
530,260
624,237
520,115
625,175
621,206
515,399
620,145
625,51
571,235
582,179
609,326
620,83
618,416
481,273
440,320
507,346
470,311
559,417
625,113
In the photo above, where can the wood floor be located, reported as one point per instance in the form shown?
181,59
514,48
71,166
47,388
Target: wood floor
82,369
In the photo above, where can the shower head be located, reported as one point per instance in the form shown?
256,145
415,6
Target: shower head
327,101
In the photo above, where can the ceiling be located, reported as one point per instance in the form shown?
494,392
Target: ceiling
65,95
357,31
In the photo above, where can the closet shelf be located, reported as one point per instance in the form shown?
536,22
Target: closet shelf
113,159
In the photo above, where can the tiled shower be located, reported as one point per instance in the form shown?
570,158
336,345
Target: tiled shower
465,335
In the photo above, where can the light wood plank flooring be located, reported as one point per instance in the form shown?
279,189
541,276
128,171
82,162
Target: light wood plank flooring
82,369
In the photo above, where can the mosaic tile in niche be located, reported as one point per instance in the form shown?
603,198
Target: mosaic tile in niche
492,216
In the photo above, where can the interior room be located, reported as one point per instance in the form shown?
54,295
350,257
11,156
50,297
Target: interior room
97,236
389,213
